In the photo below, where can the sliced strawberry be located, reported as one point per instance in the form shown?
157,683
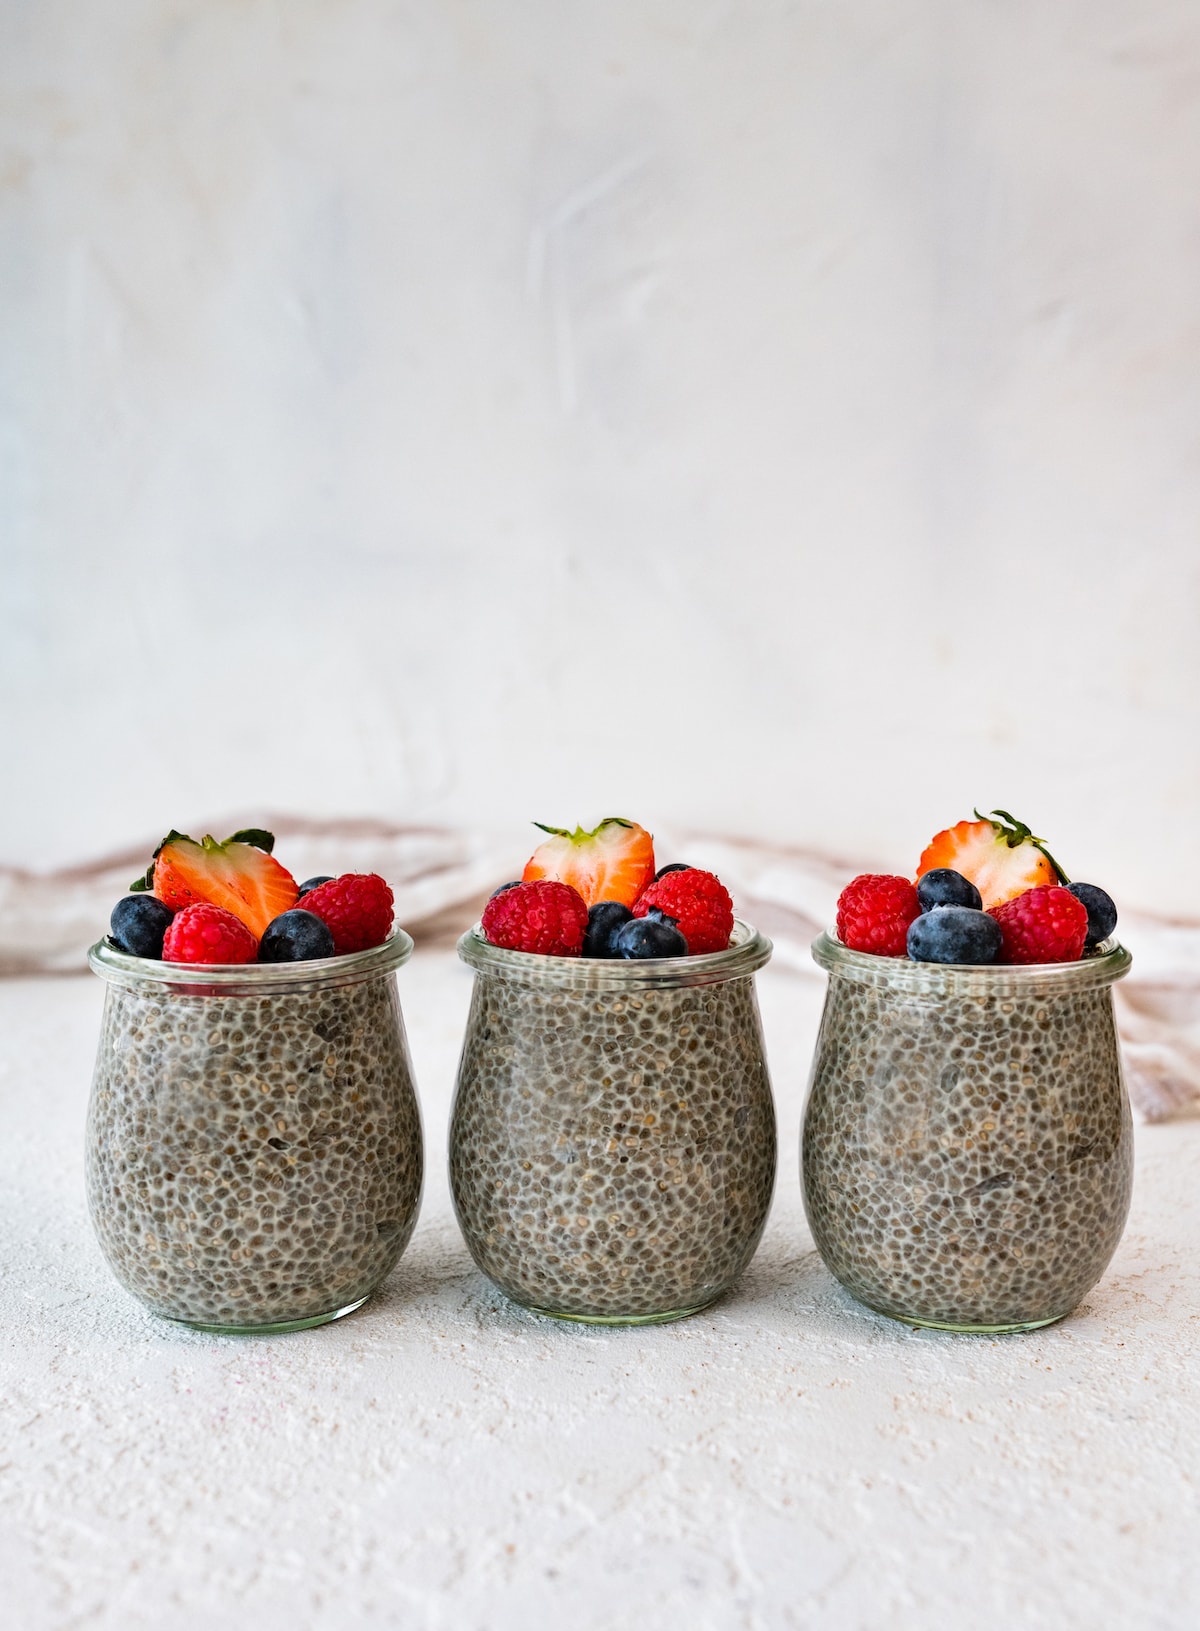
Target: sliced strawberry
613,862
239,877
1001,857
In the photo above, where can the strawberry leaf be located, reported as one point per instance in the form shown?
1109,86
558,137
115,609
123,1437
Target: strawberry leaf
172,837
142,884
256,837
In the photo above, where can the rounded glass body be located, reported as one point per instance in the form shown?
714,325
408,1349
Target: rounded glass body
254,1155
967,1150
612,1143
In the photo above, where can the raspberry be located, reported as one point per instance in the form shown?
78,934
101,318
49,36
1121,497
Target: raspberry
356,908
208,934
545,917
696,902
874,912
1044,925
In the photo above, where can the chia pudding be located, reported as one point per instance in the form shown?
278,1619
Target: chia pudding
967,1150
254,1153
612,1143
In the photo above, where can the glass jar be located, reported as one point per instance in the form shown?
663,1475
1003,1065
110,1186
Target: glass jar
967,1150
612,1142
254,1155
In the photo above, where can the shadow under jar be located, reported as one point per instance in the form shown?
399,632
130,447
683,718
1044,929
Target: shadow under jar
612,1143
254,1155
967,1150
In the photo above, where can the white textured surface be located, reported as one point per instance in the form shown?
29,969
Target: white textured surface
443,1462
400,400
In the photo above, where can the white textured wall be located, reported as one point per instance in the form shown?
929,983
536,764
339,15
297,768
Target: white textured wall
781,416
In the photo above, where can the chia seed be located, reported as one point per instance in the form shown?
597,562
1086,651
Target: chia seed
612,1145
967,1150
253,1149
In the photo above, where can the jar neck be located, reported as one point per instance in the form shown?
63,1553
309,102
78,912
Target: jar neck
248,979
1109,962
747,952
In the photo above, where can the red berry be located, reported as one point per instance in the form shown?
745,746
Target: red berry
615,861
208,934
1044,925
239,876
547,918
1001,857
874,912
698,904
356,908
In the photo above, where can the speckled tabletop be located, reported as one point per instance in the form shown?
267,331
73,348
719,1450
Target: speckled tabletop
442,1460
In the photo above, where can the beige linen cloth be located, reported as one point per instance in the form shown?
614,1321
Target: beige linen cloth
441,879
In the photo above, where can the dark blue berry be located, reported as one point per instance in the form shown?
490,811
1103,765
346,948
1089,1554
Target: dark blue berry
295,937
954,934
675,866
604,919
138,924
309,884
1101,911
942,886
502,888
649,937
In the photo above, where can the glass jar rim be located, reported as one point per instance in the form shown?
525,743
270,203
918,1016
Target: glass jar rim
1110,961
748,951
120,968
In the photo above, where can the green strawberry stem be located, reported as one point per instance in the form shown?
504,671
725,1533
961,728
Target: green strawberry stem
1016,833
580,835
256,837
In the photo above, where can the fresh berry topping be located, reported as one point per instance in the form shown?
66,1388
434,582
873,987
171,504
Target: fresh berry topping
309,884
138,924
874,912
945,887
1101,911
613,862
1001,857
954,934
647,937
502,888
203,933
696,902
675,866
604,919
546,917
1044,925
357,907
296,937
240,877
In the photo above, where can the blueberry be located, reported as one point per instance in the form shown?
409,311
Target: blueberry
1102,913
502,888
309,884
138,924
649,937
954,934
675,866
942,886
604,919
295,937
